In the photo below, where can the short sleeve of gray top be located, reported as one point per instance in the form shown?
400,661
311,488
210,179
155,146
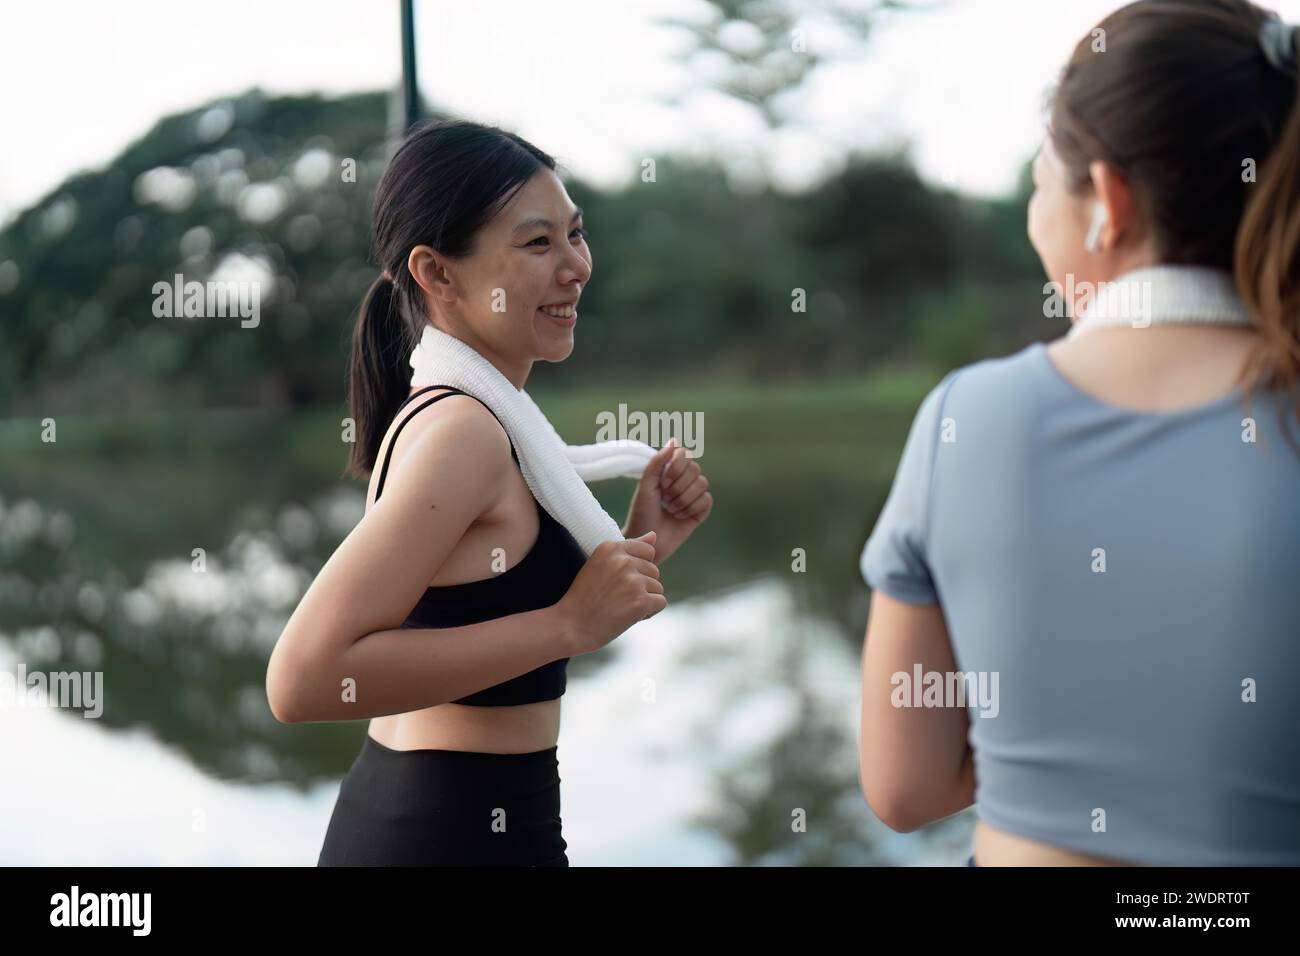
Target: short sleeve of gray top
1133,580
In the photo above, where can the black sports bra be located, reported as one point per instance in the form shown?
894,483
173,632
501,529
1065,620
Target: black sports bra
539,580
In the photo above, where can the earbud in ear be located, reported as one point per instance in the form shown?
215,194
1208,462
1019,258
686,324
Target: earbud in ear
1100,217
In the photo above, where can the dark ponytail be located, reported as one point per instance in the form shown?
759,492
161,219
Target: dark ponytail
446,180
381,344
1182,97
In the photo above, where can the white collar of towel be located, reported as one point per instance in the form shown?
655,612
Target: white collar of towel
556,473
1164,295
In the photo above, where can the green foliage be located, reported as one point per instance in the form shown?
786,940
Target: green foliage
691,278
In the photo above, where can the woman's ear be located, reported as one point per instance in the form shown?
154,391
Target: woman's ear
1117,219
430,271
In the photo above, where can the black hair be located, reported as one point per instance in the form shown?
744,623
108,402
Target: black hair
446,180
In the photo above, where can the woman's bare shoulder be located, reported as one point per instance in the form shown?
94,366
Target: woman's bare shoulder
455,439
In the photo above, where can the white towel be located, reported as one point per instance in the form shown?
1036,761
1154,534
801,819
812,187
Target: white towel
1164,295
555,472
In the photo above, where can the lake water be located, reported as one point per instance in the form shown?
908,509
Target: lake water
156,554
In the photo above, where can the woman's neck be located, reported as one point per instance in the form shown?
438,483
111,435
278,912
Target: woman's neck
515,372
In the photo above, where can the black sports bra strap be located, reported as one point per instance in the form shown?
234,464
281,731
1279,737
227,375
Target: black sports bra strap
457,391
416,394
451,390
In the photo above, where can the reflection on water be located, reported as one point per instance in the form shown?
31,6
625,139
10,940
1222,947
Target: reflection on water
722,731
705,734
727,718
76,793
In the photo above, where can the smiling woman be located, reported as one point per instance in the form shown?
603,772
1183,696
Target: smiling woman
448,615
513,300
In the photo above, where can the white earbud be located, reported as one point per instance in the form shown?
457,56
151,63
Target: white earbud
1100,217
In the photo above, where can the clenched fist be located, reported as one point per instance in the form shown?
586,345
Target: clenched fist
618,586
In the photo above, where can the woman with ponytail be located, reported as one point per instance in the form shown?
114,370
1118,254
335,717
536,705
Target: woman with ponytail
448,615
1103,533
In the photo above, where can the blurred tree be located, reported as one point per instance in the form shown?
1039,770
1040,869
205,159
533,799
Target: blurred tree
764,44
691,278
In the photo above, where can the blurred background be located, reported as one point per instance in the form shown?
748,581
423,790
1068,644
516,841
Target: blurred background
801,215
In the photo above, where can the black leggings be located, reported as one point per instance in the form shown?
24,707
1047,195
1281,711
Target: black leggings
446,808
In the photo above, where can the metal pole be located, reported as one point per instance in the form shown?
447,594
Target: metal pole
410,88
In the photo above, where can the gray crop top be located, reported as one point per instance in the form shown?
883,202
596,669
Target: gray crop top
1133,579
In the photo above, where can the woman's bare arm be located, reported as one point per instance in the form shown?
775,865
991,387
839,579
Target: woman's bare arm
343,654
398,670
915,764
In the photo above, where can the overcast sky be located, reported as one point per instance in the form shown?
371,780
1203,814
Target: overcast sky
587,80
